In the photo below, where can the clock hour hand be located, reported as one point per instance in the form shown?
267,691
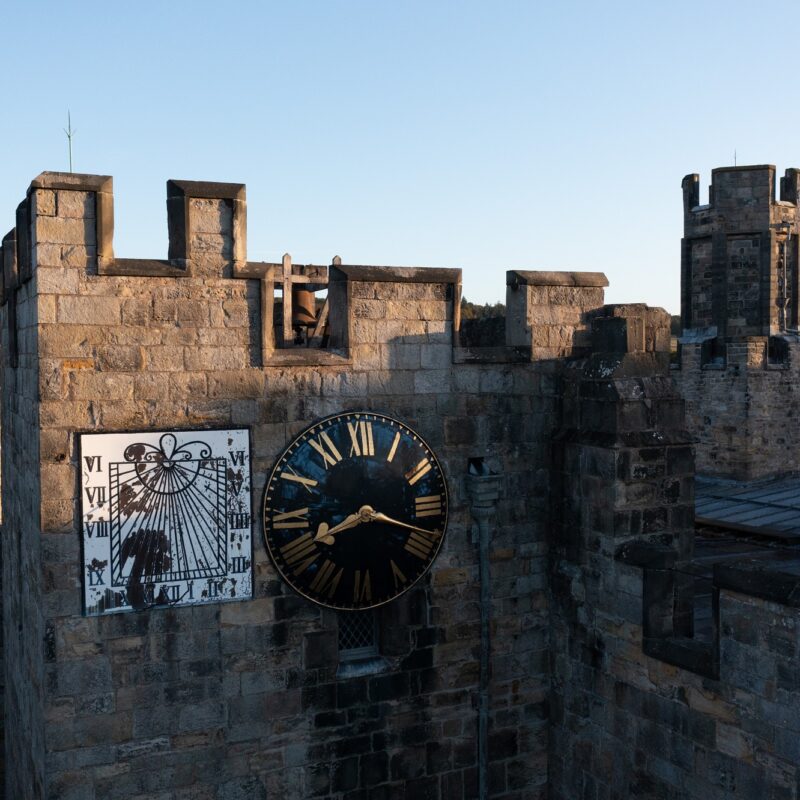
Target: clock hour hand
323,532
378,517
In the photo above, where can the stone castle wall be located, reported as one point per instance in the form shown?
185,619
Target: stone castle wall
23,578
643,705
743,411
597,686
739,306
242,700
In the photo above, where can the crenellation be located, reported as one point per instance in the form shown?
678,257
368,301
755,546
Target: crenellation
574,417
739,311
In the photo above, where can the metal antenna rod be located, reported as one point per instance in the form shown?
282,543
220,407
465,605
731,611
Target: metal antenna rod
70,133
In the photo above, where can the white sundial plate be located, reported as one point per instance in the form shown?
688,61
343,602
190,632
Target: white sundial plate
165,518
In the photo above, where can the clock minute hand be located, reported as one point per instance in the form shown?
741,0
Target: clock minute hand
378,517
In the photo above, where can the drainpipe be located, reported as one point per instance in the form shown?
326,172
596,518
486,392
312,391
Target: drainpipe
483,490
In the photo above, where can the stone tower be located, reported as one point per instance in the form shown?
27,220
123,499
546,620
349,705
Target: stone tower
739,310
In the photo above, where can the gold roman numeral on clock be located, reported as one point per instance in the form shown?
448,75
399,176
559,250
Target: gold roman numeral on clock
291,519
300,553
393,448
326,581
397,574
423,468
361,438
327,449
421,544
428,506
362,590
306,483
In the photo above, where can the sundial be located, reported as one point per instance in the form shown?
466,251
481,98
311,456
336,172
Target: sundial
165,518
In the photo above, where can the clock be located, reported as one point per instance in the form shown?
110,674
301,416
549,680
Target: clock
355,511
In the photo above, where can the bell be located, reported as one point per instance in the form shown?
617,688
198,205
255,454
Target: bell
303,307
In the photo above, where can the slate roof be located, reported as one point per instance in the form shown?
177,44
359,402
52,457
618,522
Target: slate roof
766,507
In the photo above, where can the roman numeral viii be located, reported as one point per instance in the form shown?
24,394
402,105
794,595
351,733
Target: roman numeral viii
300,553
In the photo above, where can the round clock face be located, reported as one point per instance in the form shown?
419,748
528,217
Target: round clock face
355,510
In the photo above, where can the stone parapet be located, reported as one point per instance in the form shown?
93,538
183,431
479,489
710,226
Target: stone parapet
246,699
739,310
548,312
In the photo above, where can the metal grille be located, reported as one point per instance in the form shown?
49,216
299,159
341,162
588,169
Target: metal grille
357,635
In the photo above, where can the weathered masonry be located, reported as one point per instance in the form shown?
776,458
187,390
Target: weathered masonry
549,651
739,307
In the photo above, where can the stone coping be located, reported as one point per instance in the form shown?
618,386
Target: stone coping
745,168
775,578
358,272
208,190
517,277
74,181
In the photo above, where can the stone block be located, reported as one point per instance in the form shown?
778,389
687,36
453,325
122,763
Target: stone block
85,385
64,230
78,205
76,310
44,202
123,359
433,381
56,280
210,216
435,356
165,359
216,358
211,245
78,256
191,312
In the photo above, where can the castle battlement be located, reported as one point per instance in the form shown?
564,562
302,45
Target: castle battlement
748,190
164,421
739,311
64,242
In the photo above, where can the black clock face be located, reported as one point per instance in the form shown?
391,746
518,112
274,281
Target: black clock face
355,511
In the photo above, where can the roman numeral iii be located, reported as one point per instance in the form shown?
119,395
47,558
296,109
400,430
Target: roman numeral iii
428,506
421,544
291,519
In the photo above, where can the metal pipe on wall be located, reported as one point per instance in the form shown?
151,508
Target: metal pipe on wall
483,489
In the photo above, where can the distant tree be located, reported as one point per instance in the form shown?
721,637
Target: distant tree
477,311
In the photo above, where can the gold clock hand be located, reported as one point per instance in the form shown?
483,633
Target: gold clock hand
364,514
378,517
348,522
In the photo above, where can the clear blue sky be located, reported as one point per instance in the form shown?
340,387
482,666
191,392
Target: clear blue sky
487,136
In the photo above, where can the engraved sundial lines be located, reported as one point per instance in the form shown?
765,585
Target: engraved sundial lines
174,523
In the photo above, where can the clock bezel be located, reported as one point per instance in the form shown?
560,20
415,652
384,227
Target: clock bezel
319,423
